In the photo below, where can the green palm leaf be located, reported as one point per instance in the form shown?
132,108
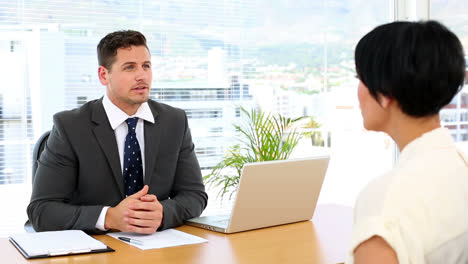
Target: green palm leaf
263,137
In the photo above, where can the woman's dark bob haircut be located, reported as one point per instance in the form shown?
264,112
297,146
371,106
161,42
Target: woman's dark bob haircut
419,64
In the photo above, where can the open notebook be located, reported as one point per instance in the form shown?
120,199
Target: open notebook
57,243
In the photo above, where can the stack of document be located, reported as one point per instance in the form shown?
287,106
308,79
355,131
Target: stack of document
56,243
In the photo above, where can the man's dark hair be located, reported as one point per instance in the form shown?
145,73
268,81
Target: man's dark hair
108,46
419,64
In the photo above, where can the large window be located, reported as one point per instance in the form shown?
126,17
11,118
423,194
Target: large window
209,57
455,116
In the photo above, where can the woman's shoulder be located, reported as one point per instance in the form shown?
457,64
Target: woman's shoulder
370,200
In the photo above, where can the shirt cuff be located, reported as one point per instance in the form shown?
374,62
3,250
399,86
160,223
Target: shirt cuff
396,231
102,219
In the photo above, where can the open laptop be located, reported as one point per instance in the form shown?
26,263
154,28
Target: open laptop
271,193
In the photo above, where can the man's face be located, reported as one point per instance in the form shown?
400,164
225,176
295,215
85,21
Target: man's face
129,79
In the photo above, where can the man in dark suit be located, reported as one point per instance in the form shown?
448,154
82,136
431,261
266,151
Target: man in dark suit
123,162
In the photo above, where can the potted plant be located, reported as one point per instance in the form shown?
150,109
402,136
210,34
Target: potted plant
315,136
263,137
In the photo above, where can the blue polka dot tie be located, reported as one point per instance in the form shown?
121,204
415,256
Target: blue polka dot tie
133,168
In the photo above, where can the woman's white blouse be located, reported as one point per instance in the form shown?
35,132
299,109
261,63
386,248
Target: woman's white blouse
421,206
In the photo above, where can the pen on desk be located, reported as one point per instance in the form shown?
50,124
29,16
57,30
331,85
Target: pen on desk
131,240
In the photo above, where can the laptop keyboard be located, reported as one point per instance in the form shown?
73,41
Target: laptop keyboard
223,222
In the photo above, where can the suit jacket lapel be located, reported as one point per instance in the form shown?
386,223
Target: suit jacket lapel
106,137
152,136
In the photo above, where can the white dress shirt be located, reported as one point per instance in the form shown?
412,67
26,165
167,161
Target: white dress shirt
420,208
117,119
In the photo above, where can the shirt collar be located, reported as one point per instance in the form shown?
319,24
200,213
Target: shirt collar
116,116
437,138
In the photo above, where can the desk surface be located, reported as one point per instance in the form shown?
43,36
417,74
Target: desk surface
322,240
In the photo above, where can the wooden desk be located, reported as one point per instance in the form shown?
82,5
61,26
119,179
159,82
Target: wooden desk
325,240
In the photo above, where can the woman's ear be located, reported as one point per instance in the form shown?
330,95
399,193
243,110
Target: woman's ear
385,101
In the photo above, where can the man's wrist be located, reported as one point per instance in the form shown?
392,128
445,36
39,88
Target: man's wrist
108,218
101,222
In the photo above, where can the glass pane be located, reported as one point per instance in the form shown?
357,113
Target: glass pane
454,14
305,66
209,57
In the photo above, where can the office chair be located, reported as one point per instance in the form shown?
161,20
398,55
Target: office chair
38,148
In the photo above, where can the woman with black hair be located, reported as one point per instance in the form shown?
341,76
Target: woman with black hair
417,212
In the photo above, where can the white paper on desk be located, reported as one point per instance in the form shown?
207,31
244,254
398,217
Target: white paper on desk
57,242
162,239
